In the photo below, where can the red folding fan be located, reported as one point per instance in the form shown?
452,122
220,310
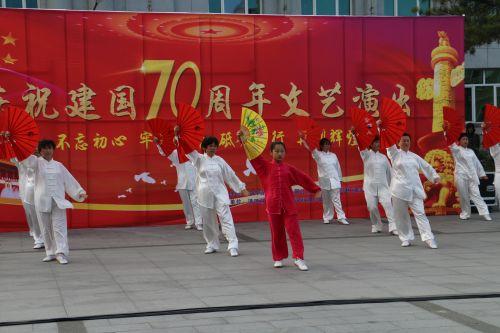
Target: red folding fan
393,123
491,129
6,152
163,130
364,126
453,124
23,133
310,130
191,130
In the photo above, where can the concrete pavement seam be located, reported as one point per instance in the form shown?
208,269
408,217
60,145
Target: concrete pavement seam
457,317
256,306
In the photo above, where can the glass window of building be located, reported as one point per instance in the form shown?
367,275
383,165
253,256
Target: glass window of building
473,76
388,9
344,7
214,6
14,4
234,6
325,7
492,75
468,105
306,7
406,7
484,95
254,6
424,5
19,3
482,86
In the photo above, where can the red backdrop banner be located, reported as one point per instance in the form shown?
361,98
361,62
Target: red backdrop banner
92,79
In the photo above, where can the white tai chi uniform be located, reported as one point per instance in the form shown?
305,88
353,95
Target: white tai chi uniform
407,191
495,153
213,197
329,178
52,181
27,195
376,181
468,170
186,182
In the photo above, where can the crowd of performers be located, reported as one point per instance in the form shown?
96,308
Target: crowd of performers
394,182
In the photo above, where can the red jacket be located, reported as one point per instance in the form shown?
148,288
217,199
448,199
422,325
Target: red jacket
277,179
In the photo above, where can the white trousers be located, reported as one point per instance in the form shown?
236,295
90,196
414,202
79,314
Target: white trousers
211,227
372,203
331,200
190,207
32,219
403,221
54,230
468,191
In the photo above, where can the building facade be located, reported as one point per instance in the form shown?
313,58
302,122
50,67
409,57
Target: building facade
482,75
482,81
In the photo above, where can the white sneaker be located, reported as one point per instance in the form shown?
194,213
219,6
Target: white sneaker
61,258
188,226
301,264
49,258
394,232
343,221
464,216
39,246
326,221
278,264
487,217
233,252
405,243
431,243
375,230
210,250
199,227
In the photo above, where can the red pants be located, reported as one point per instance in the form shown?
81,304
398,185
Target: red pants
278,224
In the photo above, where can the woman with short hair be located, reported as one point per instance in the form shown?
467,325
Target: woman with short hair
213,173
407,192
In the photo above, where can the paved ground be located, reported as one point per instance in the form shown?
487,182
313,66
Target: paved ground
157,279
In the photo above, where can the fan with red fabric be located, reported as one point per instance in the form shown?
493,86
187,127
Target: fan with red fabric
365,128
6,152
163,130
23,133
393,123
491,129
453,124
310,130
191,130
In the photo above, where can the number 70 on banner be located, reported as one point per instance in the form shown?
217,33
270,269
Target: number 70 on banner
164,67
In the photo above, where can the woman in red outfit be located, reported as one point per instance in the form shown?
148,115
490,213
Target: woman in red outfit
277,179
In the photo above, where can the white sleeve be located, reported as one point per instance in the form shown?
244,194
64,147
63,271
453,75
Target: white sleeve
339,169
71,185
231,179
15,161
194,157
162,153
315,155
479,167
388,172
365,154
426,168
31,162
455,151
174,158
495,150
392,152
